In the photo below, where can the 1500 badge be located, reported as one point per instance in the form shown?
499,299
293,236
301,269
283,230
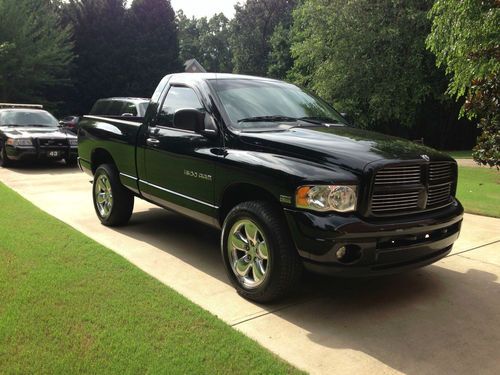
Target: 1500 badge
194,174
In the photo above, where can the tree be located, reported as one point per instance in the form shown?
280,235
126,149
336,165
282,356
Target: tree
101,67
368,57
280,58
154,46
252,27
465,38
206,40
189,37
35,51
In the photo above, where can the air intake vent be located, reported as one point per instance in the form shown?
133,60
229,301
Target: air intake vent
410,174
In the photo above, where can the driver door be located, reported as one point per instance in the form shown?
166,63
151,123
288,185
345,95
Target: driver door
178,162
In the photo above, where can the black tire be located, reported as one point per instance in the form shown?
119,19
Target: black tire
120,209
4,160
71,162
283,268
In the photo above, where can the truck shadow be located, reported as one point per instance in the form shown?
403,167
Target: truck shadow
432,320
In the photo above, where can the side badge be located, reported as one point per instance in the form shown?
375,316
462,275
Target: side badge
285,199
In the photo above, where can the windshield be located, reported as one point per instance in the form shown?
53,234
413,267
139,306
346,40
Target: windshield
27,118
267,104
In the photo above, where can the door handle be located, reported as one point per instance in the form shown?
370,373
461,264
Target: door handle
153,141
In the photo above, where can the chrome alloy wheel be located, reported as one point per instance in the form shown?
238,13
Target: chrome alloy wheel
103,195
248,253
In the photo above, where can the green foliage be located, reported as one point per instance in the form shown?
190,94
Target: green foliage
152,45
102,50
120,52
35,51
465,38
206,40
368,57
280,58
252,28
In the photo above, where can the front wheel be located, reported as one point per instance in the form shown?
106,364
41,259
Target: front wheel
258,254
4,160
113,202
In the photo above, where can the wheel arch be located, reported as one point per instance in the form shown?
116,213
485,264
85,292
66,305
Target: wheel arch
100,156
243,192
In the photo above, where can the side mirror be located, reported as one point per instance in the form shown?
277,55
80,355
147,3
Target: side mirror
198,121
61,123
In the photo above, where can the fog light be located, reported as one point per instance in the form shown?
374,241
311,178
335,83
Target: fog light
341,252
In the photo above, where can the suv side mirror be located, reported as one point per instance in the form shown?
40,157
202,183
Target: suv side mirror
198,121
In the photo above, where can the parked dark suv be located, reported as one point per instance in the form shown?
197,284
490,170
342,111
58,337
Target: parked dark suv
287,179
126,107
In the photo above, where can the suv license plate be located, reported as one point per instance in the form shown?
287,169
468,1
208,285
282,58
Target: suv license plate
53,154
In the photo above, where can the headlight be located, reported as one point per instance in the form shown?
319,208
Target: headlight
19,142
73,142
340,198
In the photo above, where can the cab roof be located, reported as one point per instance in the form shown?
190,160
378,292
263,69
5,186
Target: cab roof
193,77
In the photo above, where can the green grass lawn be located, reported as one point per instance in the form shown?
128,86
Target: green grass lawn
479,190
459,154
69,305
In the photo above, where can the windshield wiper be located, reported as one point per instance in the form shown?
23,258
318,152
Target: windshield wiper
273,118
320,120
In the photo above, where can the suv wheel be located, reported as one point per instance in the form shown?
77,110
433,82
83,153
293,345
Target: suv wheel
113,202
71,161
258,254
4,160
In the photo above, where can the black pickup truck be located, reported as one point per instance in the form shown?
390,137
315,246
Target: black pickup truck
291,184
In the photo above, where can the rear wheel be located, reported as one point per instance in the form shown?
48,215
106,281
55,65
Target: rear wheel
258,254
4,160
113,202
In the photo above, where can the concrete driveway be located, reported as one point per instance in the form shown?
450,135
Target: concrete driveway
441,319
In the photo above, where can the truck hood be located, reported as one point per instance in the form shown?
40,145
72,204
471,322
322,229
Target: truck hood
35,132
347,147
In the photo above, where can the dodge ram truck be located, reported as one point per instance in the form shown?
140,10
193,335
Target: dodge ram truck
290,183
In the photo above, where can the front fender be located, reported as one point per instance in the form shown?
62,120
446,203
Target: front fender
278,174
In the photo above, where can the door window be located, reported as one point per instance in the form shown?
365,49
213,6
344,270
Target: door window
177,98
115,109
130,108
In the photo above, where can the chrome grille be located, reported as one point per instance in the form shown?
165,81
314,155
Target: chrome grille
386,203
410,174
52,143
411,188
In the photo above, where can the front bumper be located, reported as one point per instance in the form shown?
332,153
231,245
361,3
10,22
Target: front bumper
375,247
36,153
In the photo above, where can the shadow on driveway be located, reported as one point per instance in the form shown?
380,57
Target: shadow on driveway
432,320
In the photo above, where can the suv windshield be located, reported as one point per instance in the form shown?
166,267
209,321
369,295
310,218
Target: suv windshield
267,104
27,118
